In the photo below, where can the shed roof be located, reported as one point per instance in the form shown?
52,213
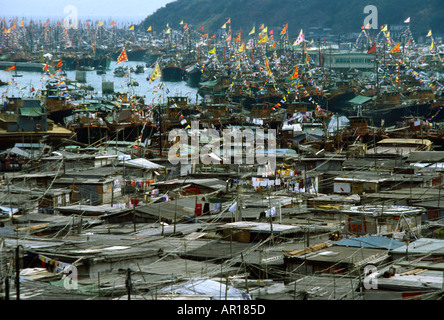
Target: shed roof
360,100
376,242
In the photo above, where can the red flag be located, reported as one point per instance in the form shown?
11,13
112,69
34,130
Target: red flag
372,49
46,68
213,36
201,28
11,68
122,57
59,64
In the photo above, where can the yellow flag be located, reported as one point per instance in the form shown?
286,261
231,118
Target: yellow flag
263,40
149,28
252,31
384,29
224,26
168,31
100,23
264,30
156,73
212,50
432,45
242,47
429,34
181,22
131,28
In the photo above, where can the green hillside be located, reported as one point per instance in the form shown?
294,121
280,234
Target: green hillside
341,16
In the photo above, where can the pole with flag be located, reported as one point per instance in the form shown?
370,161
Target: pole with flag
122,57
156,73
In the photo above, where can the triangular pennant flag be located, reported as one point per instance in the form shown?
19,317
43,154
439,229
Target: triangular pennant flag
295,74
131,28
429,34
263,39
156,73
395,48
59,64
122,57
372,49
299,39
12,68
252,31
407,20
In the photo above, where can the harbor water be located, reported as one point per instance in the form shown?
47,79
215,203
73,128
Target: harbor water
157,91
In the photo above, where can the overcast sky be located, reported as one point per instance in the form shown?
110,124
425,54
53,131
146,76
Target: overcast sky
85,8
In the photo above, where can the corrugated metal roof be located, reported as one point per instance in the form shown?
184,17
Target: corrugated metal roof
423,246
370,242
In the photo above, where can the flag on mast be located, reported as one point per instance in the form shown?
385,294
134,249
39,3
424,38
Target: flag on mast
299,39
12,68
123,57
156,73
295,74
372,49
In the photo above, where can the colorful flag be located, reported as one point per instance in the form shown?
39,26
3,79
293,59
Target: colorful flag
295,74
299,39
395,48
156,73
59,64
242,47
263,39
13,68
123,57
100,23
46,68
228,21
213,36
261,27
372,49
212,50
384,28
284,31
238,37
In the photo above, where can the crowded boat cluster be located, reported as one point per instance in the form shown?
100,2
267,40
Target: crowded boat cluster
346,205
